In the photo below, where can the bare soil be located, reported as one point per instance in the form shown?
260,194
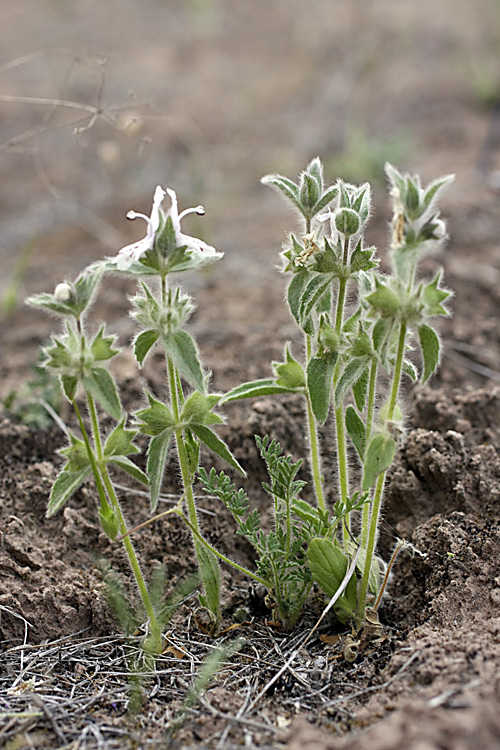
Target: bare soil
245,90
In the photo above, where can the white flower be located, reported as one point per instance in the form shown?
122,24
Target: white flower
133,252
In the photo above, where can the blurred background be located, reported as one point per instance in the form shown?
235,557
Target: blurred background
100,101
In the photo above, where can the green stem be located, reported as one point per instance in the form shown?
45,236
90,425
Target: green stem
92,458
372,383
134,563
379,487
342,464
315,458
196,533
104,485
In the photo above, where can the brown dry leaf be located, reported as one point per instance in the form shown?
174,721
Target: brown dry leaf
178,653
330,639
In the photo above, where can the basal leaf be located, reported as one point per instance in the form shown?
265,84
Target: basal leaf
328,565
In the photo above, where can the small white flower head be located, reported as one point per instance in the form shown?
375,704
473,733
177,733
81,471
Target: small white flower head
63,292
133,252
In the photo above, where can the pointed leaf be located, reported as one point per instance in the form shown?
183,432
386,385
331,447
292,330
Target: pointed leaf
356,430
289,374
429,343
435,188
283,185
210,576
352,372
180,346
328,196
102,387
157,457
65,485
143,344
156,418
313,291
315,168
328,565
119,442
102,346
69,384
127,465
213,441
76,455
360,389
198,409
295,291
410,370
319,384
255,388
379,457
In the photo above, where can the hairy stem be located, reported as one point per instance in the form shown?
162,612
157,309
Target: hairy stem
372,383
379,487
314,450
105,486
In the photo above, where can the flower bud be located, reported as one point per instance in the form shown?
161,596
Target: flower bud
63,292
347,221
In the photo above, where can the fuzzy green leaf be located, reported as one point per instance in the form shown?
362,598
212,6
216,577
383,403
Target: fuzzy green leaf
374,578
198,409
433,296
307,513
384,299
360,389
352,372
410,370
102,346
157,457
143,344
127,465
102,387
379,457
180,346
356,430
309,193
285,186
430,346
264,387
65,485
119,442
295,292
319,384
215,444
435,188
76,455
69,384
155,418
210,576
328,196
328,565
289,374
